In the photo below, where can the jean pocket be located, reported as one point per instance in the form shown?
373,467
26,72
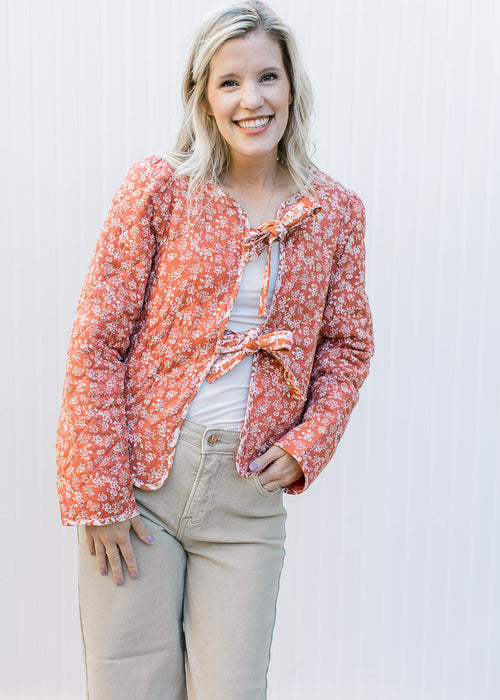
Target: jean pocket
262,489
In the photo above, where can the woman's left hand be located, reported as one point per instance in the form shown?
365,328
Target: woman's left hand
276,468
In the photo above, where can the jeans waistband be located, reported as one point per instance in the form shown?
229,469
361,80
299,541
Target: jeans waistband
210,439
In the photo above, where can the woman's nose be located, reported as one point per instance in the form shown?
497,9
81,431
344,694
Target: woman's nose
251,97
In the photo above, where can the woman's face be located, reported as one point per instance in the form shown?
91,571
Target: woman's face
248,94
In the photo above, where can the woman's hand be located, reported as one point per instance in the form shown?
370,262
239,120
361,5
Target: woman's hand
276,468
107,541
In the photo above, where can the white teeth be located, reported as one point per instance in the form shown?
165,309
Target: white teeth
254,123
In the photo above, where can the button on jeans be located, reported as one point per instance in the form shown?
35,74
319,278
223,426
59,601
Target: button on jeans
198,621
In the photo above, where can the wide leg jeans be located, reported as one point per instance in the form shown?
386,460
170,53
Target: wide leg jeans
198,621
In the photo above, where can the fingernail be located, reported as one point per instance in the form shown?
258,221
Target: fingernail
134,575
93,554
151,539
103,572
253,466
119,582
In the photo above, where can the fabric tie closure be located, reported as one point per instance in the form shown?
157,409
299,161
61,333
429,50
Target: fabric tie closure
270,231
235,346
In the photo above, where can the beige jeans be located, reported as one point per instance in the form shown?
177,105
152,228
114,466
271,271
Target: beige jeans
198,621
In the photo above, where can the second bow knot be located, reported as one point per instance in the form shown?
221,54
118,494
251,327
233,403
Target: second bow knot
235,346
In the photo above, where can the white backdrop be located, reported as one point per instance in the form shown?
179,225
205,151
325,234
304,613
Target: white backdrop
397,543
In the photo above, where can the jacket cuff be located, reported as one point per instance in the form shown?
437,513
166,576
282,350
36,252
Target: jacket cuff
288,444
106,497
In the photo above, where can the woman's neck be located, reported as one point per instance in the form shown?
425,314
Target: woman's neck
259,190
247,175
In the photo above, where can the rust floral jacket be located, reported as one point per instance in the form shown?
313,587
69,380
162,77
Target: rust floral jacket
150,326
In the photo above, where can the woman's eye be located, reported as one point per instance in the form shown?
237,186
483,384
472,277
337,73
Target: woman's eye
228,83
269,76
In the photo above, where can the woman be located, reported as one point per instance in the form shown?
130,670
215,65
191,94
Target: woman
221,338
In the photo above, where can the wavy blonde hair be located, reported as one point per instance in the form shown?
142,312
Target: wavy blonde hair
201,151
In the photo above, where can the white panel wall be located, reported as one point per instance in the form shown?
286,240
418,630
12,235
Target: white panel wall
390,590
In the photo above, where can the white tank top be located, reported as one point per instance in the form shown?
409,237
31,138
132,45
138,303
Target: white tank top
222,404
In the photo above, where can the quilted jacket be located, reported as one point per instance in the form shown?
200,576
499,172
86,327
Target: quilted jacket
150,326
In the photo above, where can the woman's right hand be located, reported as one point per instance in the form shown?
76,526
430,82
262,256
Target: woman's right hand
108,541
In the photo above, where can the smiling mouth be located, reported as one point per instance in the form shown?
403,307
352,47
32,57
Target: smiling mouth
253,123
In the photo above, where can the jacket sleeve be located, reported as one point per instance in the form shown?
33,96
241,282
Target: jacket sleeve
93,477
345,346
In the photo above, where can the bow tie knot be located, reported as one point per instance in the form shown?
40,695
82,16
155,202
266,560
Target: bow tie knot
265,234
235,346
270,231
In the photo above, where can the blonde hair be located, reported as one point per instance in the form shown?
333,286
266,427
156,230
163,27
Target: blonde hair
201,151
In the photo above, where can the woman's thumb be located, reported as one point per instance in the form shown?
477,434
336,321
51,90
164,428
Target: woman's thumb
260,463
141,530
